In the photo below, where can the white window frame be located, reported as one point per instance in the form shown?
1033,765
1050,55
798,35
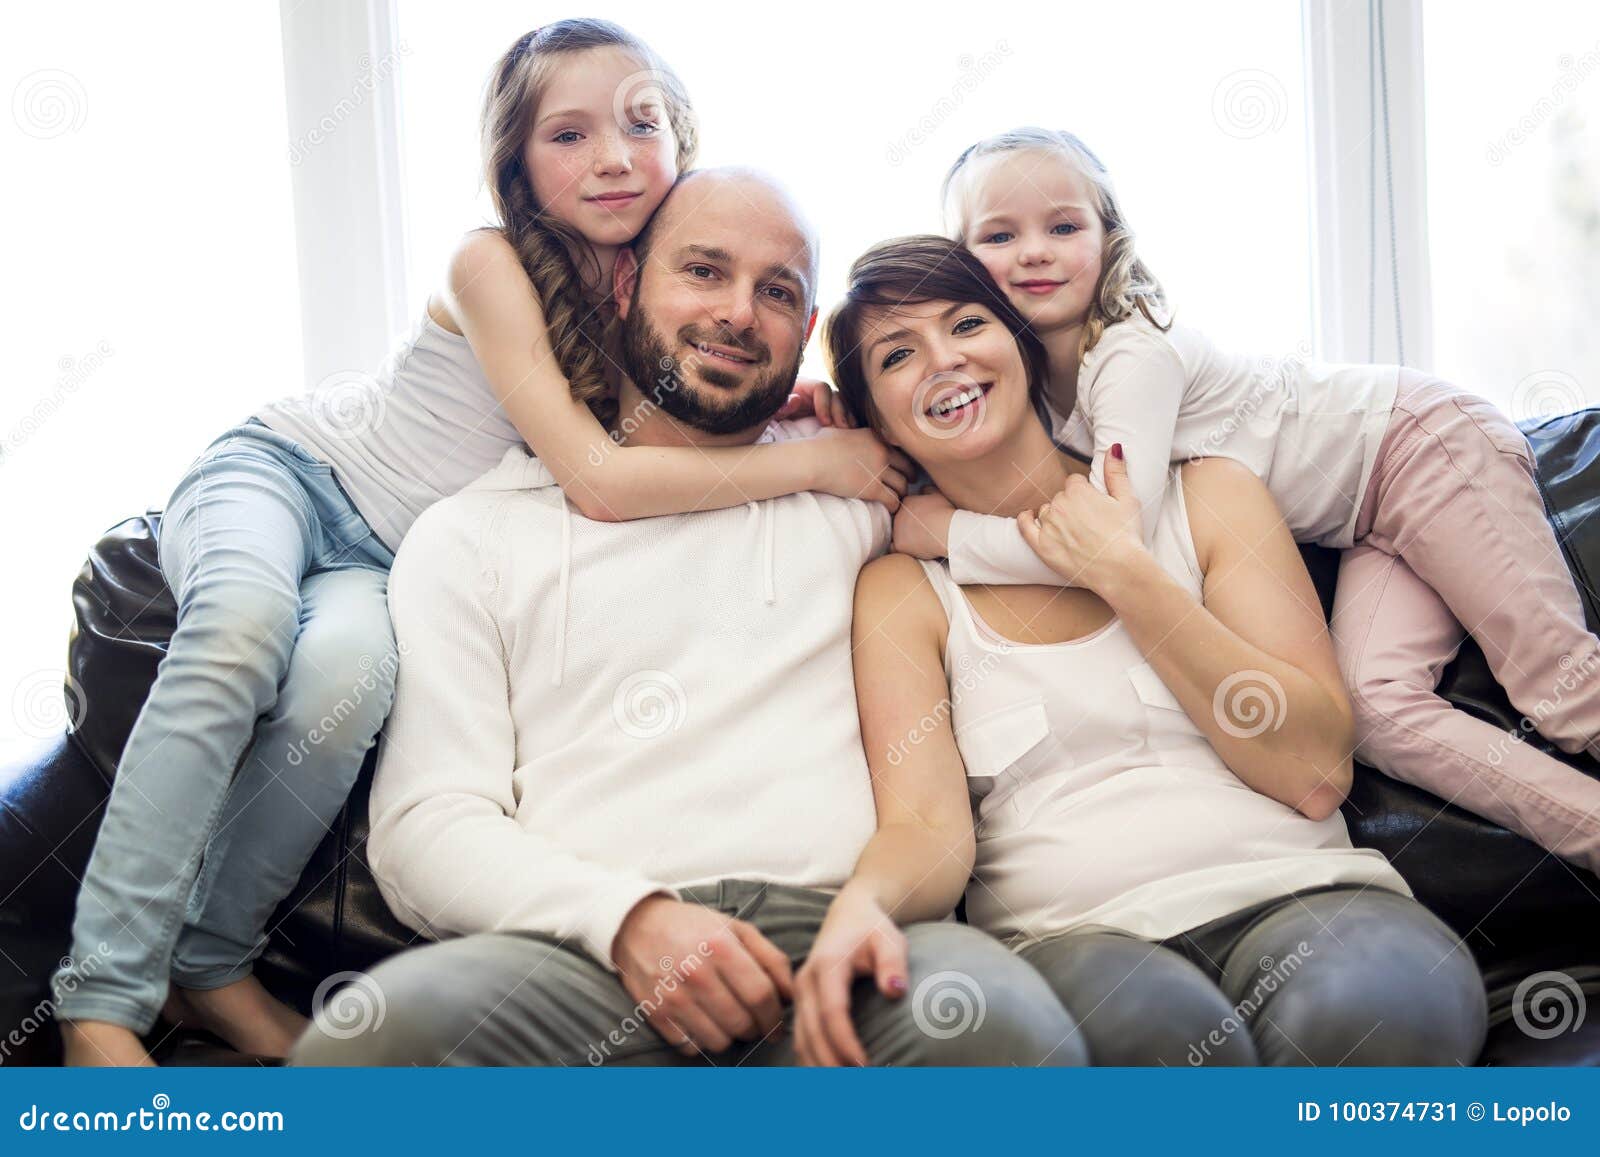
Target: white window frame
349,202
1371,278
341,78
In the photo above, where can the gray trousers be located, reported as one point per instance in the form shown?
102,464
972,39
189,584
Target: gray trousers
1327,976
526,999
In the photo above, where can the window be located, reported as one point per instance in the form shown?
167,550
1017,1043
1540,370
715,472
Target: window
1198,111
154,299
1513,126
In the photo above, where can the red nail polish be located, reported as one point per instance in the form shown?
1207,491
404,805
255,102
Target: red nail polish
1116,450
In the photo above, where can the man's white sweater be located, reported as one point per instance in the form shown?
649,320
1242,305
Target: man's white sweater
588,713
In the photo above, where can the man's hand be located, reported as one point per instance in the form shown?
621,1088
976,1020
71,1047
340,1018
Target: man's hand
1083,535
922,525
703,979
857,939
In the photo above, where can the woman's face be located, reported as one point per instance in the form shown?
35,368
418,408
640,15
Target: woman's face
601,155
1032,221
947,379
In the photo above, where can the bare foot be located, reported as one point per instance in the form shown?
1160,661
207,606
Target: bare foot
99,1043
243,1013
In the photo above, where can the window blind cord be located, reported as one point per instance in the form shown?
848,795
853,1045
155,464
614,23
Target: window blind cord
1378,89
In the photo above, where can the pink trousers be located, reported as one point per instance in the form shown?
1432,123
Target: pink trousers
1452,540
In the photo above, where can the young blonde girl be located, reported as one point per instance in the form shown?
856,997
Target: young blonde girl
1429,490
278,541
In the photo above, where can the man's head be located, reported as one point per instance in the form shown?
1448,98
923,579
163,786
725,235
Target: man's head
717,300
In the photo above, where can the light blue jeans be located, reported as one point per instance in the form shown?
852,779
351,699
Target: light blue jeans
277,679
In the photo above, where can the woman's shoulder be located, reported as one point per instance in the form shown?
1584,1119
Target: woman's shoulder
1224,499
891,573
894,591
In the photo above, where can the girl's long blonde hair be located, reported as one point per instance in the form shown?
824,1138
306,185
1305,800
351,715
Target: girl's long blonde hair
1126,283
550,249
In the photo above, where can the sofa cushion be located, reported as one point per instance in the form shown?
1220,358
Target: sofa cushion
1506,896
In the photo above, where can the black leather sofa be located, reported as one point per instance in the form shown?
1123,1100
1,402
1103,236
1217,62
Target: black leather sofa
1521,911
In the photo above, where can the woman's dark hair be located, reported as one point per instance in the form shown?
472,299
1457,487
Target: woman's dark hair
915,271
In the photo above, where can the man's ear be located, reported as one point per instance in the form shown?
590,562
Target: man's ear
811,323
624,275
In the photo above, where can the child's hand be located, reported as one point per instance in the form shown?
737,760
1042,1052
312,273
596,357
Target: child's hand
1084,535
922,526
857,464
814,398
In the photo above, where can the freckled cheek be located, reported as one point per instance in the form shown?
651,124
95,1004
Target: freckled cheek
657,167
558,179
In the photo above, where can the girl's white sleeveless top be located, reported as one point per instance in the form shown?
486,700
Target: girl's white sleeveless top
421,429
1098,801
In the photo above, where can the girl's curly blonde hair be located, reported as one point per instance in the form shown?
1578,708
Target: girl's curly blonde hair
1126,283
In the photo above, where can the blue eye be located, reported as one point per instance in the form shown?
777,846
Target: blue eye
782,293
962,326
572,133
1067,225
997,239
650,127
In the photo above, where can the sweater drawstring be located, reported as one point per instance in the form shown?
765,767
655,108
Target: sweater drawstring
772,589
765,510
561,592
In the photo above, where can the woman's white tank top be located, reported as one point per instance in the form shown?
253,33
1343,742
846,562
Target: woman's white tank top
1099,802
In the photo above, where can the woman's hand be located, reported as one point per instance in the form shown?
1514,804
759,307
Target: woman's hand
814,398
1083,535
922,525
857,939
857,464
